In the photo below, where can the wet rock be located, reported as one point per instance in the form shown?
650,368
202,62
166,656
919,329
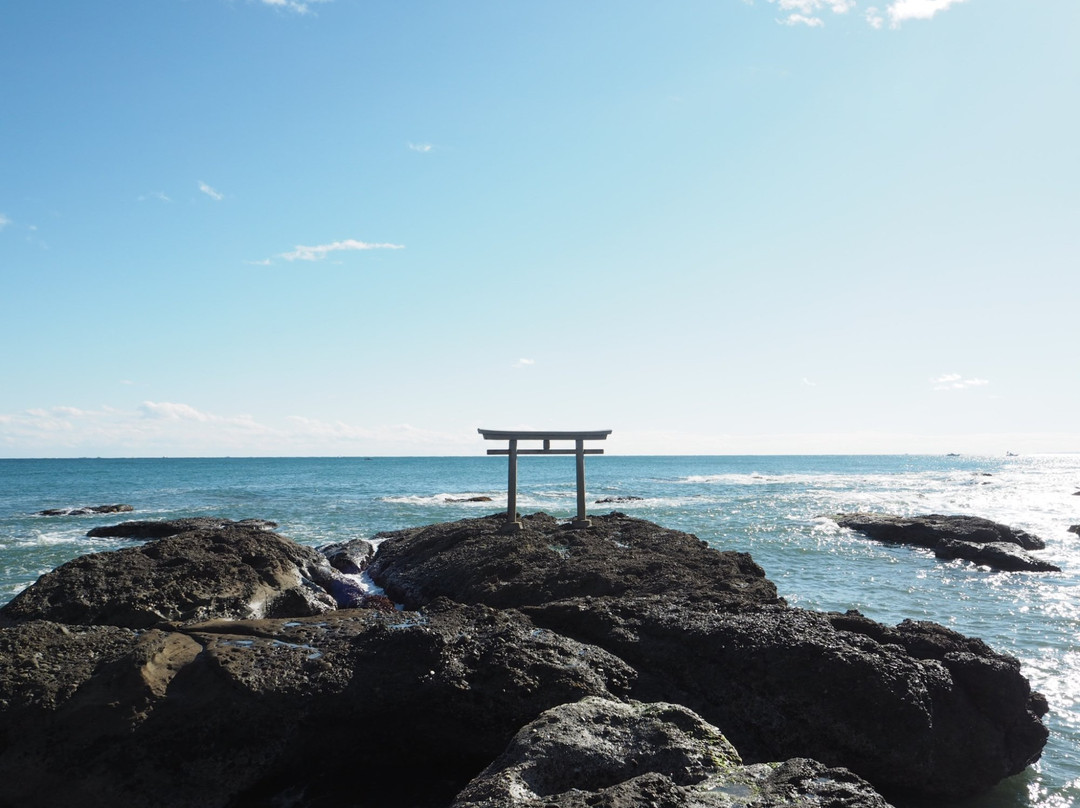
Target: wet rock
1074,529
86,510
469,499
237,571
927,531
996,555
350,557
617,500
171,527
602,752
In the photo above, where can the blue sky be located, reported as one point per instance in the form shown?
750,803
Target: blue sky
244,227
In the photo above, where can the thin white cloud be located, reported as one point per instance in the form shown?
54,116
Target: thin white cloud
524,363
160,196
808,383
320,251
810,12
902,10
4,221
802,19
216,195
424,148
955,381
297,6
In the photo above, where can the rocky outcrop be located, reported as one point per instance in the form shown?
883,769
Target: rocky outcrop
546,562
705,629
1074,529
171,527
85,510
617,500
603,752
239,572
211,668
980,540
354,708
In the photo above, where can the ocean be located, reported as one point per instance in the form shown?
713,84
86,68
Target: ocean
773,507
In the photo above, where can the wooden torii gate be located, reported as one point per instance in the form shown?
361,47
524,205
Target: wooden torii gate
512,451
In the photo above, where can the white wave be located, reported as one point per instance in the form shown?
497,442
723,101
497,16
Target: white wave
462,498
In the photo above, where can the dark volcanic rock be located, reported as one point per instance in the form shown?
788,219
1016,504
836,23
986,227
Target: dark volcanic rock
350,557
469,499
84,511
336,709
986,543
705,629
927,531
598,752
616,500
471,562
234,571
172,527
1074,529
290,701
997,555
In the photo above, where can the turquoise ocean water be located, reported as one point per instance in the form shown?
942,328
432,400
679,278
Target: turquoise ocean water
768,506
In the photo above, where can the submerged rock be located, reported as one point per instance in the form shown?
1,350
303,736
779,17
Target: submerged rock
171,527
997,555
86,510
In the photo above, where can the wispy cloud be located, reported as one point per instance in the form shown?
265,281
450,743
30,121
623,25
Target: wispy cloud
524,363
424,148
4,221
160,196
811,12
297,6
955,381
320,251
214,194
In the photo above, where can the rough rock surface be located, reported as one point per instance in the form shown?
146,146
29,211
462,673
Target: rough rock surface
171,527
86,510
909,708
233,571
1074,529
927,531
230,713
987,543
471,562
599,752
210,668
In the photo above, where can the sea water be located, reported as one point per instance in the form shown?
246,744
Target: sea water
775,508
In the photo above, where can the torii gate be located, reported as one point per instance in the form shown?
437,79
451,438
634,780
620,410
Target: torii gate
512,451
